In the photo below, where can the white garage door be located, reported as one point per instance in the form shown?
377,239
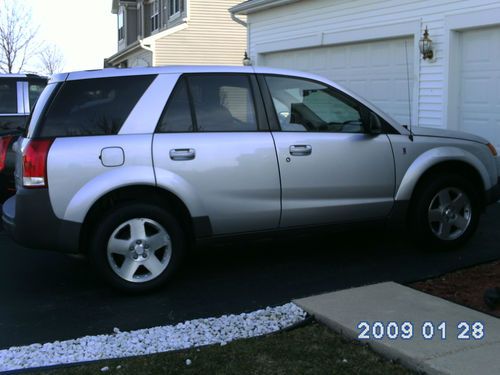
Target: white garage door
479,98
374,70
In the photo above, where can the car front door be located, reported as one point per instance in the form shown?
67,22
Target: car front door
215,142
332,170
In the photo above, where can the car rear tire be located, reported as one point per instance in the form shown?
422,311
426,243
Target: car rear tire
445,211
137,247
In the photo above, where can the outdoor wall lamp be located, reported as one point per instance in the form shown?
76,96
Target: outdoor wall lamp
246,60
426,46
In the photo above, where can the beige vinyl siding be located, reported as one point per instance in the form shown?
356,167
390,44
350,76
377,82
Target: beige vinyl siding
211,38
314,19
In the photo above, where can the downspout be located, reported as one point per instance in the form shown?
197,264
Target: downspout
244,24
237,20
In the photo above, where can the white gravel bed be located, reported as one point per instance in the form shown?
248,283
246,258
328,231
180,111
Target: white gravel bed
189,334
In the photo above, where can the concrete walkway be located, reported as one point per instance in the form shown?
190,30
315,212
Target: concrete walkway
443,352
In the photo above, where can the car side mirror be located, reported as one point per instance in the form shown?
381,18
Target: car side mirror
374,125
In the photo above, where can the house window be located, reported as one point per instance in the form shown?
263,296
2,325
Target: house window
174,8
155,15
121,28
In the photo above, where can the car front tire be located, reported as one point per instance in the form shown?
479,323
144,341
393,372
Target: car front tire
445,211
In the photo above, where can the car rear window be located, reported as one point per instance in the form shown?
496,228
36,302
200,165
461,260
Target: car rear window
8,96
93,106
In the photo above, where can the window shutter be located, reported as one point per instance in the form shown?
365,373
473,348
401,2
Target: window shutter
164,12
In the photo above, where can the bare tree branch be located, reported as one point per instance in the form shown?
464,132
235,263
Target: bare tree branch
17,36
51,60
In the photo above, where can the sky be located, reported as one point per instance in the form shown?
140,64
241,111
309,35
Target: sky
84,31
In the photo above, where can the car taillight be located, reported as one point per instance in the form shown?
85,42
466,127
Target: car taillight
35,163
4,146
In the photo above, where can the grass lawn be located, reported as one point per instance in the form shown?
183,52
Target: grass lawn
312,349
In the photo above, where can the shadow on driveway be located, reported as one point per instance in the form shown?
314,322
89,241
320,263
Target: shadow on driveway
48,296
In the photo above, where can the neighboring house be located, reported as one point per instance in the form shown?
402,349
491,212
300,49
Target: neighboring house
364,44
165,32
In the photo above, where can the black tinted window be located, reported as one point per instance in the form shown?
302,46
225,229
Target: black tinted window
223,103
8,96
93,106
9,124
177,117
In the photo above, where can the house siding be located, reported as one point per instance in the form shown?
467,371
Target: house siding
141,58
212,37
312,23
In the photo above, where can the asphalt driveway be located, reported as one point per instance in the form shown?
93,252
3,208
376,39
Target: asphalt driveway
48,296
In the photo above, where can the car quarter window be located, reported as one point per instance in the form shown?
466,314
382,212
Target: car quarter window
222,103
177,116
93,106
304,105
34,91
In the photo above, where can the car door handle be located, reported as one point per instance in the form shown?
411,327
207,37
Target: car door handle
300,150
182,154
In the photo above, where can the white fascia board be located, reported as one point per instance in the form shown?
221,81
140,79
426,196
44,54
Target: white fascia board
258,5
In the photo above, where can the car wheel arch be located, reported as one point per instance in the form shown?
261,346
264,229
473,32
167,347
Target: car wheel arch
136,193
447,159
452,167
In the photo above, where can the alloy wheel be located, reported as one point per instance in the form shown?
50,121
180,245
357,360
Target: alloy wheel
449,213
139,250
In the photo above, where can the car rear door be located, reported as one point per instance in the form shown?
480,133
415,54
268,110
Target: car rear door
332,171
213,140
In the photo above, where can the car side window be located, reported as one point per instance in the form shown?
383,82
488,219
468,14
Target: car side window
93,106
177,116
8,96
303,105
223,103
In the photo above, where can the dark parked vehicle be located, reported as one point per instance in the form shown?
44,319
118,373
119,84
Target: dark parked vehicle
18,94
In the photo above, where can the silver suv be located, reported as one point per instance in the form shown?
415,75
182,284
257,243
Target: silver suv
131,166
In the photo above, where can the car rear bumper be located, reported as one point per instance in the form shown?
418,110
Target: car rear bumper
28,218
493,194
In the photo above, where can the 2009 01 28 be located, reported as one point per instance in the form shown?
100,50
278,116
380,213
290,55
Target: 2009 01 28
427,330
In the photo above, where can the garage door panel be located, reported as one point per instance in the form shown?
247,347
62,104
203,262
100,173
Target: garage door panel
337,59
475,48
358,56
379,56
375,70
485,127
479,96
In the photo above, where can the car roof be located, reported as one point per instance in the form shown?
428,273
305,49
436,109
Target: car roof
23,76
172,69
